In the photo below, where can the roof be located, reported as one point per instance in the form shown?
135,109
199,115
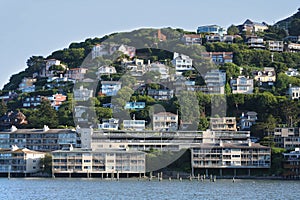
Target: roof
37,131
165,114
24,150
79,150
232,145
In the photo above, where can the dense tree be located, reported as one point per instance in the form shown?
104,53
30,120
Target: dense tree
294,28
232,30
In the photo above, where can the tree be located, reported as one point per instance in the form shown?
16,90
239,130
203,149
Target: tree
44,115
294,28
232,30
46,164
3,108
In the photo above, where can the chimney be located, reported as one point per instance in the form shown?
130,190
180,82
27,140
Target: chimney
13,128
46,128
249,143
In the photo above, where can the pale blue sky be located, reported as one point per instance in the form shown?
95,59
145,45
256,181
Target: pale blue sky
36,27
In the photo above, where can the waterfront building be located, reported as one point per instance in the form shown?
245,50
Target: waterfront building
291,164
286,137
38,139
115,162
241,85
229,157
20,161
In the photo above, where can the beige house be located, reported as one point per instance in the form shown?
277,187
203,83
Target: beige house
241,85
223,124
266,76
165,121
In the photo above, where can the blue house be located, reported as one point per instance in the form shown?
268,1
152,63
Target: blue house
135,105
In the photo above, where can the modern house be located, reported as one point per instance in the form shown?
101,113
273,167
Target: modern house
135,125
265,77
219,57
294,92
137,68
241,85
215,81
182,63
110,88
20,161
190,39
276,46
109,124
223,124
165,121
211,29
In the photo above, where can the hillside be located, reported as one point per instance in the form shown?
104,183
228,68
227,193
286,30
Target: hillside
292,24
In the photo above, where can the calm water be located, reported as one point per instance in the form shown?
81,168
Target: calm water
37,189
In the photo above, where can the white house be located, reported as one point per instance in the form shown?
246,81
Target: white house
137,125
292,72
76,73
182,63
241,85
190,39
247,120
294,92
106,70
82,94
215,81
109,124
161,68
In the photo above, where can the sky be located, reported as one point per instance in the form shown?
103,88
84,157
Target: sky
35,27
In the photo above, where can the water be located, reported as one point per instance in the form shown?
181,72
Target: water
39,189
